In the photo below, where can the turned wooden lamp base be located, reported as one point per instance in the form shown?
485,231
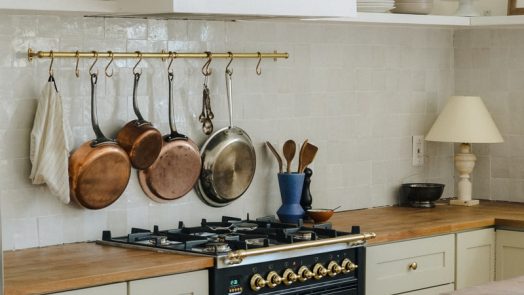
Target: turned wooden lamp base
464,162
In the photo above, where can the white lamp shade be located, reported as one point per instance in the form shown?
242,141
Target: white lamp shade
464,119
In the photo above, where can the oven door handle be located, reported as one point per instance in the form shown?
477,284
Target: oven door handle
236,257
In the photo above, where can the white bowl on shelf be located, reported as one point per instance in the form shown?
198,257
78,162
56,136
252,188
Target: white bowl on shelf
413,8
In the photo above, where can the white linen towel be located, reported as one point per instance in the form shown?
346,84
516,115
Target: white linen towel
51,139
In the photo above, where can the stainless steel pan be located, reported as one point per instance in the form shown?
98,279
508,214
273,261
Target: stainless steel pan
228,161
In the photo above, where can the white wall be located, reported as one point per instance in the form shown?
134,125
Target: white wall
490,63
358,92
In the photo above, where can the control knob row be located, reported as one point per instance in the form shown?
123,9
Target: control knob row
273,279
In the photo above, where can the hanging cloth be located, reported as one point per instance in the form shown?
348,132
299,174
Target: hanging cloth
51,140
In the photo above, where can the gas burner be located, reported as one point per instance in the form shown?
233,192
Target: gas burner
257,242
303,235
224,238
216,248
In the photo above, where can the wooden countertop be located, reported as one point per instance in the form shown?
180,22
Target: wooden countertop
74,266
402,223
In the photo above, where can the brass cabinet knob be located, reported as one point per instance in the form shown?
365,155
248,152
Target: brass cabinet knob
319,271
273,279
413,266
348,266
304,274
334,269
289,277
257,282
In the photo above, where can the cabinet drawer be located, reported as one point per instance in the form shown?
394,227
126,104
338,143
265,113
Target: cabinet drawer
189,283
114,289
432,291
388,266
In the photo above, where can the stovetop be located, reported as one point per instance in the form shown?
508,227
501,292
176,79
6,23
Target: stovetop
229,234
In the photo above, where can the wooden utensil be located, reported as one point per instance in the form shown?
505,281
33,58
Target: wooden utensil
306,156
275,153
289,149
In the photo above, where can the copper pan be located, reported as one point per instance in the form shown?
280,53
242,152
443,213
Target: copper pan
99,170
139,138
177,168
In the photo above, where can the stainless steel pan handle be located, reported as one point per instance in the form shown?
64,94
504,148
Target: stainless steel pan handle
229,87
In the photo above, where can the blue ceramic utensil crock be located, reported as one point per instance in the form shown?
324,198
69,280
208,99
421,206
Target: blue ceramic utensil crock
290,190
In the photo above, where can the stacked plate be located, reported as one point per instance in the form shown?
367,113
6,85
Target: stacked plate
375,5
413,6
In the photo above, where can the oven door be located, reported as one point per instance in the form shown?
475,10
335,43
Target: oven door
341,287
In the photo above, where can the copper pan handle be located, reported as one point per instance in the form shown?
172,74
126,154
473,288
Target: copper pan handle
172,125
100,137
135,103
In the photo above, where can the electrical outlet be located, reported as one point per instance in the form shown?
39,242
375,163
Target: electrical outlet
418,150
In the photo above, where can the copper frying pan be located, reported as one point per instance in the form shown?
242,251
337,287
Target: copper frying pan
99,170
139,138
177,168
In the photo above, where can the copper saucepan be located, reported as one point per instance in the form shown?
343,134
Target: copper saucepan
139,138
99,170
177,168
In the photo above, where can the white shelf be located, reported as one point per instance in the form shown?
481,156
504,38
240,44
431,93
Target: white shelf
512,20
407,19
79,7
431,20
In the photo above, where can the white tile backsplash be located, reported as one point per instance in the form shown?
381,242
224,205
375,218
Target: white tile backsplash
488,63
359,92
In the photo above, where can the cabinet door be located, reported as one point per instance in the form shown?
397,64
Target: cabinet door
510,254
475,258
114,289
410,265
189,283
432,291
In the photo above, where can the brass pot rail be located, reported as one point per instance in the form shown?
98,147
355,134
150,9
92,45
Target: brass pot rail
162,55
236,257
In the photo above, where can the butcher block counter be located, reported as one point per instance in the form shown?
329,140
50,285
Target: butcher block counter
74,266
401,223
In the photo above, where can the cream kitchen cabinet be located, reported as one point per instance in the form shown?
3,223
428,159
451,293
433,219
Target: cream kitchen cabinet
475,262
113,289
510,254
189,283
432,291
408,266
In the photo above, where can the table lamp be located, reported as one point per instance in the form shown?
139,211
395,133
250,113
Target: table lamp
465,120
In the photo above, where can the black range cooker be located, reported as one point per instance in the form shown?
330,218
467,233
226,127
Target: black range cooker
264,256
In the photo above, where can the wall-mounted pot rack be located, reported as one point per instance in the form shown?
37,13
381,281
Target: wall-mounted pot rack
162,55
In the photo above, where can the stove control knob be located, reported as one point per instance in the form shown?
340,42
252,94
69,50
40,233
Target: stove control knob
257,282
334,269
304,274
348,266
319,271
273,279
289,277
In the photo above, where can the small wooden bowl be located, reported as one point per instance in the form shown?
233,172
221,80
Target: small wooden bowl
320,215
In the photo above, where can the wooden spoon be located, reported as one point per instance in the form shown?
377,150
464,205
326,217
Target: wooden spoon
300,155
289,148
275,153
307,154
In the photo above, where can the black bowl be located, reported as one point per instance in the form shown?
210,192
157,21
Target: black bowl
422,195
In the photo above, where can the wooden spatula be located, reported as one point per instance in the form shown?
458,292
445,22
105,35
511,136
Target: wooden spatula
275,153
290,147
307,155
